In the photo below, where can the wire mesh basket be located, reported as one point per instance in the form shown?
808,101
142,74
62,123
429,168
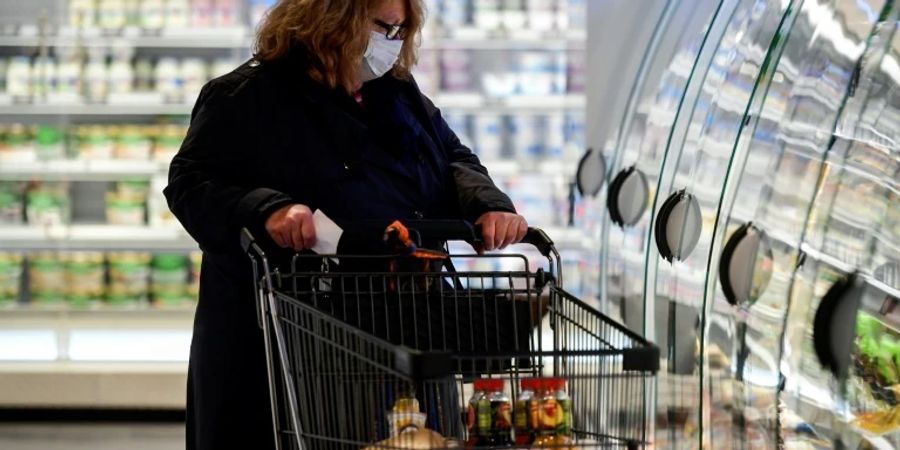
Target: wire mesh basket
364,348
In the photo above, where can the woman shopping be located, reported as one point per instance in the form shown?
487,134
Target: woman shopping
325,117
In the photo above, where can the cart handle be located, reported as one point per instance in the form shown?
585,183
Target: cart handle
449,230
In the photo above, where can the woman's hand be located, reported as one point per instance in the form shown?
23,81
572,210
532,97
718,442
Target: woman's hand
292,227
500,229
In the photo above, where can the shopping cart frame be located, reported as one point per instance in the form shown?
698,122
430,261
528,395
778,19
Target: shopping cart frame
409,362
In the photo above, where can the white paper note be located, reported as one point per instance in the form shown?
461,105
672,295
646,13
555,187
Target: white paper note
328,234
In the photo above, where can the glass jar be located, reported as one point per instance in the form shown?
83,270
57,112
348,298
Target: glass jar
525,433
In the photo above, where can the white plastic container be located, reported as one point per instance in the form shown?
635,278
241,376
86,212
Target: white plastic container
487,14
168,79
153,14
488,135
194,73
18,77
178,13
96,78
112,14
83,13
68,75
121,76
526,132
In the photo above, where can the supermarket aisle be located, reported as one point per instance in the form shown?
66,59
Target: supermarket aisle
119,436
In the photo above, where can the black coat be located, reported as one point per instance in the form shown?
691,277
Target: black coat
264,136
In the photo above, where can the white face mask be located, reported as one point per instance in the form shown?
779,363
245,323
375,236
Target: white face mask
381,55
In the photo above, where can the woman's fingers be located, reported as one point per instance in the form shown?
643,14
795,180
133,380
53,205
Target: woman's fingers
308,231
501,229
521,229
292,227
297,240
487,232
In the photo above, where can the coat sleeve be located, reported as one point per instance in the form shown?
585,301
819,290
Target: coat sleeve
477,192
206,191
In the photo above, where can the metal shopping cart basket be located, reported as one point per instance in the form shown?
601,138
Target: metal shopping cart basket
352,340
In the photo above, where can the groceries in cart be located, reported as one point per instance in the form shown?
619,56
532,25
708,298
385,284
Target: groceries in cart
542,414
415,439
489,415
406,415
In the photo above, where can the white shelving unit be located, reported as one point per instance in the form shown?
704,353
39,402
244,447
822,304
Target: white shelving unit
9,108
95,237
190,38
107,357
465,102
80,170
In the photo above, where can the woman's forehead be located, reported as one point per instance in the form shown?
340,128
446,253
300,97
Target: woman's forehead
391,11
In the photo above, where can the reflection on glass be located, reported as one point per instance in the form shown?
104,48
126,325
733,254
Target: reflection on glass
699,154
642,145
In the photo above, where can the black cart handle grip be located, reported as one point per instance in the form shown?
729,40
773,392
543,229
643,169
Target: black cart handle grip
456,230
444,230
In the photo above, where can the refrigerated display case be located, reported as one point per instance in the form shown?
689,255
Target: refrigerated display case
761,205
95,98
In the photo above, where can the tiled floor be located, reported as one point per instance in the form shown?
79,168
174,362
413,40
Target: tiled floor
44,436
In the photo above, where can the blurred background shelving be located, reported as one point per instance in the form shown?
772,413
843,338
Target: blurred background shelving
95,97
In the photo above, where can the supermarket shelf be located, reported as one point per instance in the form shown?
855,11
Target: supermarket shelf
81,109
95,237
108,315
474,102
192,38
511,167
93,385
80,170
476,39
241,37
463,102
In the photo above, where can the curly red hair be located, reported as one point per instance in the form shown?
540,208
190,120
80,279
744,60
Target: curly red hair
335,33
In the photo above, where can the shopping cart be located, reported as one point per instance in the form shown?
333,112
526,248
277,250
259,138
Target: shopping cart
350,337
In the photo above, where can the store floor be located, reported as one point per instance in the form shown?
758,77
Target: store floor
115,436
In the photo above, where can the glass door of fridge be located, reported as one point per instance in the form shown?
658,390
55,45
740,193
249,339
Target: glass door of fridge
771,180
694,394
639,146
853,233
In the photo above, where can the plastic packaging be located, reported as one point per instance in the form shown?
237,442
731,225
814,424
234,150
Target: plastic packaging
134,143
48,204
152,14
50,143
85,277
405,415
111,14
96,78
10,278
46,278
169,279
95,142
129,276
178,13
12,207
18,77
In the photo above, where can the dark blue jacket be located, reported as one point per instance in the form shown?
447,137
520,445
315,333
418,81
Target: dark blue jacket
264,136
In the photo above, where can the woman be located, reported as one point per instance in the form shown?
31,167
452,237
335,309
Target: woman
325,117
